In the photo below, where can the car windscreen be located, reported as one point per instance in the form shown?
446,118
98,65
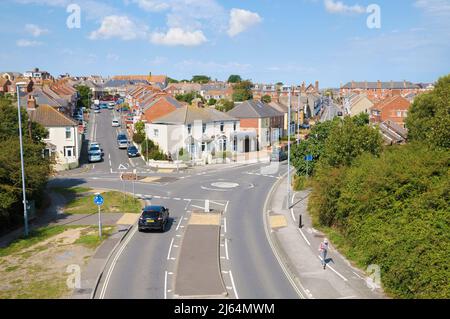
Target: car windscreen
94,149
121,138
151,214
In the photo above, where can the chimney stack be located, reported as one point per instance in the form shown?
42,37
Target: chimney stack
353,84
31,102
303,87
317,86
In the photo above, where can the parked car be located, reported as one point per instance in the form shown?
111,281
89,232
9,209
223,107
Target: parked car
94,154
115,123
340,113
96,109
278,155
96,144
132,151
122,140
153,217
104,106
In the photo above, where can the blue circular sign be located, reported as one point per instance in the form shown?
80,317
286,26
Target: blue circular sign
98,200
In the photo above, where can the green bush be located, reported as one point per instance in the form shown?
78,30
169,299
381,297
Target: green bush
392,211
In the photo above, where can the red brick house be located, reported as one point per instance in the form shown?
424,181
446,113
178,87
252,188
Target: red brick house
394,109
159,107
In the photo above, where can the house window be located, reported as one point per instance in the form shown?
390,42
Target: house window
399,113
68,133
204,128
68,151
203,146
189,127
156,133
234,126
222,126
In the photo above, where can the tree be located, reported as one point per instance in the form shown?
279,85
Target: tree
429,116
243,91
139,135
84,93
212,102
234,78
170,80
314,146
266,99
202,79
348,140
224,105
37,168
189,97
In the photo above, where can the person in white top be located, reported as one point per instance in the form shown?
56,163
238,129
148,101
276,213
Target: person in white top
323,248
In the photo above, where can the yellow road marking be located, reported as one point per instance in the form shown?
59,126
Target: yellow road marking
277,221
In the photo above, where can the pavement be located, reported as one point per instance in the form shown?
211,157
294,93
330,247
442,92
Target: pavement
298,251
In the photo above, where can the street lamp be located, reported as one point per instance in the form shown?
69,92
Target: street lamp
25,213
289,150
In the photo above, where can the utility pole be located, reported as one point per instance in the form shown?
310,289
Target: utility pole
298,116
289,150
25,213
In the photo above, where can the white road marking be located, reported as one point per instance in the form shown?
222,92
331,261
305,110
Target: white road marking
176,198
213,189
234,286
292,209
226,206
226,250
113,264
200,207
165,285
225,224
358,275
304,237
348,297
336,272
170,249
217,203
179,223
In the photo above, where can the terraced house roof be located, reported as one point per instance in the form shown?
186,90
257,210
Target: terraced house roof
50,117
190,114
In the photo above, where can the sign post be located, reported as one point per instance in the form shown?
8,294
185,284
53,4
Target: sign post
98,200
308,158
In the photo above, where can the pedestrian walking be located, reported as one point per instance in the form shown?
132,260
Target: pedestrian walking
323,248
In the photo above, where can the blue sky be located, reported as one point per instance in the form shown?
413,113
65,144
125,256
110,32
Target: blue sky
263,40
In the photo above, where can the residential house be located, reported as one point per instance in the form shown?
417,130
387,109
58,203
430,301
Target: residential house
160,81
260,90
158,107
393,133
285,110
121,87
357,104
38,76
202,132
377,91
394,109
217,91
183,88
259,117
63,141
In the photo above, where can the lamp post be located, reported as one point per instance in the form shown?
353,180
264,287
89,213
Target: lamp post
25,213
289,150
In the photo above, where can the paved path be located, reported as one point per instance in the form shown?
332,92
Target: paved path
299,249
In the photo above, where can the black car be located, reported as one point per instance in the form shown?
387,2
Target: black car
153,218
132,151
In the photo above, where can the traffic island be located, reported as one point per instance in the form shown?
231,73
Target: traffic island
198,273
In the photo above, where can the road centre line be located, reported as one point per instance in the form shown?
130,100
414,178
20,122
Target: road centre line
113,264
335,271
292,209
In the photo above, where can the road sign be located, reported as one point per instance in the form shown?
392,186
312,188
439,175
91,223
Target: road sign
309,158
98,200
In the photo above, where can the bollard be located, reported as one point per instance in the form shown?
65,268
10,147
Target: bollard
300,224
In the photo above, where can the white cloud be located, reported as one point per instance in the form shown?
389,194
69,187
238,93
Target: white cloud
434,7
27,43
35,30
118,27
152,5
241,20
333,6
112,57
178,36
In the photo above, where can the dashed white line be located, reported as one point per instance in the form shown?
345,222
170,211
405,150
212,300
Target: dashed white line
176,198
226,250
217,203
225,224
